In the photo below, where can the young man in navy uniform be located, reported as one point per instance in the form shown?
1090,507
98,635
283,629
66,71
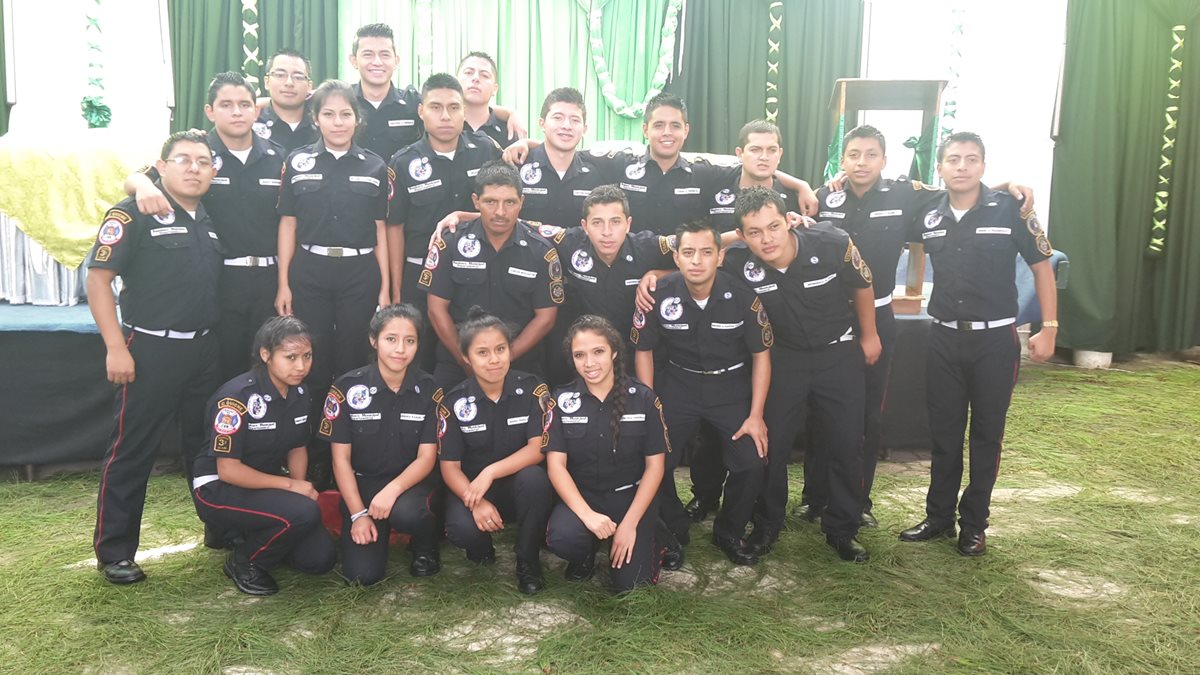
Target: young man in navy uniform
972,236
162,354
241,202
287,120
390,115
807,279
717,338
477,73
434,177
498,264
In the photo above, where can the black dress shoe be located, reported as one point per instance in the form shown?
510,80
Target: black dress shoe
672,558
122,572
926,530
425,563
697,510
529,576
484,558
849,549
736,551
250,578
867,520
971,543
809,512
581,571
761,541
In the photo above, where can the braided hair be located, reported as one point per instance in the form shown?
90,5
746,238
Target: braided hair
621,380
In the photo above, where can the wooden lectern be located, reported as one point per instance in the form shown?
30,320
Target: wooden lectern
851,96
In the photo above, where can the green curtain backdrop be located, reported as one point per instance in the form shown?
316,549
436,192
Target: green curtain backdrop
310,26
3,81
724,72
538,45
1106,167
206,39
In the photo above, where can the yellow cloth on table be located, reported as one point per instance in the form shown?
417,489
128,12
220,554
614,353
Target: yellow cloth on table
59,189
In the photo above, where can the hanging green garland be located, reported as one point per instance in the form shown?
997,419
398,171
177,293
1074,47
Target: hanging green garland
251,64
666,59
1166,159
93,108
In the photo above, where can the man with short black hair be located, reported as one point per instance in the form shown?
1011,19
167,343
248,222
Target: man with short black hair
479,76
287,119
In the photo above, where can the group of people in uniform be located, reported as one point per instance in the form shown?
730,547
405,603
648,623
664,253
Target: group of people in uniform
468,329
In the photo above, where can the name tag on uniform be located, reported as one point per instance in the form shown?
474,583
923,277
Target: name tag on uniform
675,326
630,187
885,214
580,193
992,230
412,417
687,191
474,428
270,182
639,417
720,210
365,179
933,234
766,289
820,282
260,426
469,265
632,282
514,421
831,214
534,191
727,326
161,231
574,420
582,277
366,417
421,187
306,176
220,180
301,419
471,173
401,123
522,273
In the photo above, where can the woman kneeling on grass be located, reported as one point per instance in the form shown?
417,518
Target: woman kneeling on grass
382,424
490,430
606,457
260,421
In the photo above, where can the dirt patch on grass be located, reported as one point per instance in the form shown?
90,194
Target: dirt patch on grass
507,635
1075,585
862,660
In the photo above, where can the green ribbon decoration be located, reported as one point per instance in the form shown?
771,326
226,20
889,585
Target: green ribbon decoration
1166,163
92,106
666,60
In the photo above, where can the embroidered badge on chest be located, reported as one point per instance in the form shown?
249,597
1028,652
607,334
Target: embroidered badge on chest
531,174
672,309
465,409
256,406
420,169
358,396
569,401
581,261
835,199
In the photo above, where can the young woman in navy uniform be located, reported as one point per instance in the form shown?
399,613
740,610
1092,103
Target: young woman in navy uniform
491,432
606,454
259,424
381,422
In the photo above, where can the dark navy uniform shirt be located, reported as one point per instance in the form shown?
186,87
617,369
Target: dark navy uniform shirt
384,428
169,265
336,201
721,188
809,303
554,200
523,276
271,127
252,422
581,428
879,221
391,126
974,259
478,432
660,202
495,129
430,186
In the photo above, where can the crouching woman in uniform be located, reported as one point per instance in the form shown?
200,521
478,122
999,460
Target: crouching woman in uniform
606,456
259,424
382,426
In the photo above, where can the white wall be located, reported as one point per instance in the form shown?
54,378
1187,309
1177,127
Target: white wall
1008,77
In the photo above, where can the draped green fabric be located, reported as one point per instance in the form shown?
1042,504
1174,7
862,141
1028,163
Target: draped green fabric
822,42
309,26
1106,167
3,81
206,39
538,45
724,73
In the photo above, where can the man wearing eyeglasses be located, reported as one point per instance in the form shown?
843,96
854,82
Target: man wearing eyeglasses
162,353
286,119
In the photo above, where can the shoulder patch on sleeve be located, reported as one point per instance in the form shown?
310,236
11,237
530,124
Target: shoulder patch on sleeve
118,214
849,251
222,444
663,420
756,305
337,393
634,335
664,245
439,395
551,255
103,253
391,174
230,402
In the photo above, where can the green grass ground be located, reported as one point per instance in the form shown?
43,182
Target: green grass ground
1094,567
